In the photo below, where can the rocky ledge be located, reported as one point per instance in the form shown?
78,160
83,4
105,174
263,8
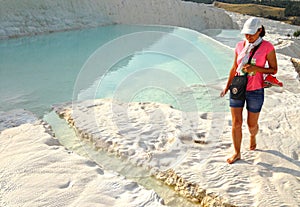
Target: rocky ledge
125,130
191,191
296,63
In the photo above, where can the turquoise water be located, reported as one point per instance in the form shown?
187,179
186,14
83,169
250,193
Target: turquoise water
229,37
171,65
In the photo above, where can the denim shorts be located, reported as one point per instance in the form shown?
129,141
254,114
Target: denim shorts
254,101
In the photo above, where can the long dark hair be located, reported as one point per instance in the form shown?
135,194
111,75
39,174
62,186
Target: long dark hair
262,32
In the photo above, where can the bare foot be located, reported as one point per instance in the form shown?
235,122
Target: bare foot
252,143
234,158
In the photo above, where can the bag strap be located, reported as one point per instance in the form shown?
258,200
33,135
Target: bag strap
254,50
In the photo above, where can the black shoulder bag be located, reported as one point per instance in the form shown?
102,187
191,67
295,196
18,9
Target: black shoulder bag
239,83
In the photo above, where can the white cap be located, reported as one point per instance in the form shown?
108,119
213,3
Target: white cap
251,26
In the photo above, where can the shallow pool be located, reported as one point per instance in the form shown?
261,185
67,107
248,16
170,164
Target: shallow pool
132,63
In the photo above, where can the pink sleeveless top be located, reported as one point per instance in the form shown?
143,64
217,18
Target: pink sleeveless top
259,59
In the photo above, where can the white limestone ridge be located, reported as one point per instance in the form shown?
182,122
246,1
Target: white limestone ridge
29,17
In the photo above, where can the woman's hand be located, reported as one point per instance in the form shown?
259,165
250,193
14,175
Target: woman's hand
223,93
272,69
248,68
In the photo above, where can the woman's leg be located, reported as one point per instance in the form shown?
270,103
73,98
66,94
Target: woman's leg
255,100
252,122
237,121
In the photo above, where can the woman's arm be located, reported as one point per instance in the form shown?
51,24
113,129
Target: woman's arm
231,75
272,62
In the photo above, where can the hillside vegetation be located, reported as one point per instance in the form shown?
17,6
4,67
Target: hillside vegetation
282,10
270,12
253,9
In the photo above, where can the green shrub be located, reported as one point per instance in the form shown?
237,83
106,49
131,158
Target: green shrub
297,33
292,9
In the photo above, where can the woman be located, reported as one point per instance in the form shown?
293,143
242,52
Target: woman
253,31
